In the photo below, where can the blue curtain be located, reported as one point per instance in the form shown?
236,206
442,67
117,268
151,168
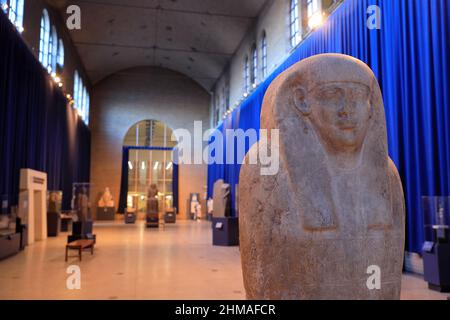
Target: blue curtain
124,176
38,129
409,56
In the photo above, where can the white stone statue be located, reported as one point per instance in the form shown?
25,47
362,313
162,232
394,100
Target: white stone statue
335,210
106,200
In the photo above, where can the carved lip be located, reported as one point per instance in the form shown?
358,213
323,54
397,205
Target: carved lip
347,126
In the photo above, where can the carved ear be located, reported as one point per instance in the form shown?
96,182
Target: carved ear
300,100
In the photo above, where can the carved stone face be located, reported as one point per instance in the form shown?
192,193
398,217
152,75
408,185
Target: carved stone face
340,113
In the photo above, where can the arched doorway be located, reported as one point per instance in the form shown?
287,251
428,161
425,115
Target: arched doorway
147,160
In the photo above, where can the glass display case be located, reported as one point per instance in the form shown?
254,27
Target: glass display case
436,248
436,214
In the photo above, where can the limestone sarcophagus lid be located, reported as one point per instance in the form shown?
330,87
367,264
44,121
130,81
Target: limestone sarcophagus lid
333,215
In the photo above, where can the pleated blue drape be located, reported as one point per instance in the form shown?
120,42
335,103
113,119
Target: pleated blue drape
38,129
409,56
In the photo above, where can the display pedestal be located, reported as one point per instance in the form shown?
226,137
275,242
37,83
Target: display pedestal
436,264
170,217
130,218
225,231
106,213
152,220
53,224
81,230
22,230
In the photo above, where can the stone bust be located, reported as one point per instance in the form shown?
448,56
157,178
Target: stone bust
336,205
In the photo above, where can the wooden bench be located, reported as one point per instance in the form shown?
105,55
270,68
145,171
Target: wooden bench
80,245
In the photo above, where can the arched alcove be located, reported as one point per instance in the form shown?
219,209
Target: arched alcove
148,160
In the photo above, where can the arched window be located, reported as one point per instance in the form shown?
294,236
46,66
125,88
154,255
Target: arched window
88,105
246,74
14,10
294,23
44,42
61,53
314,13
76,84
254,74
81,98
53,51
264,55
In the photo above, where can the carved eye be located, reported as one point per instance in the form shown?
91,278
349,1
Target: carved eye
361,93
331,93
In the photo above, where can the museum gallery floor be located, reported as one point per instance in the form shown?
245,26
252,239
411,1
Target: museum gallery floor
132,262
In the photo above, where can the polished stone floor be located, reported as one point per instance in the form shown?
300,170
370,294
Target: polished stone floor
131,262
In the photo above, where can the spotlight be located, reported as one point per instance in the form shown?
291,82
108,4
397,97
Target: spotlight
169,165
254,86
57,79
130,165
60,84
143,165
155,167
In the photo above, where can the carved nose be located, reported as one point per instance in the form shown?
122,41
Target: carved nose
343,113
347,109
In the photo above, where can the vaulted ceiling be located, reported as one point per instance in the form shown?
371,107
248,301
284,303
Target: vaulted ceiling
194,37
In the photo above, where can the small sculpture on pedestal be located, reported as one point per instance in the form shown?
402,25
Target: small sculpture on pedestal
106,209
152,217
54,213
222,200
106,200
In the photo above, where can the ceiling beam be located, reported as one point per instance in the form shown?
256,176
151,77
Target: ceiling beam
112,45
161,9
